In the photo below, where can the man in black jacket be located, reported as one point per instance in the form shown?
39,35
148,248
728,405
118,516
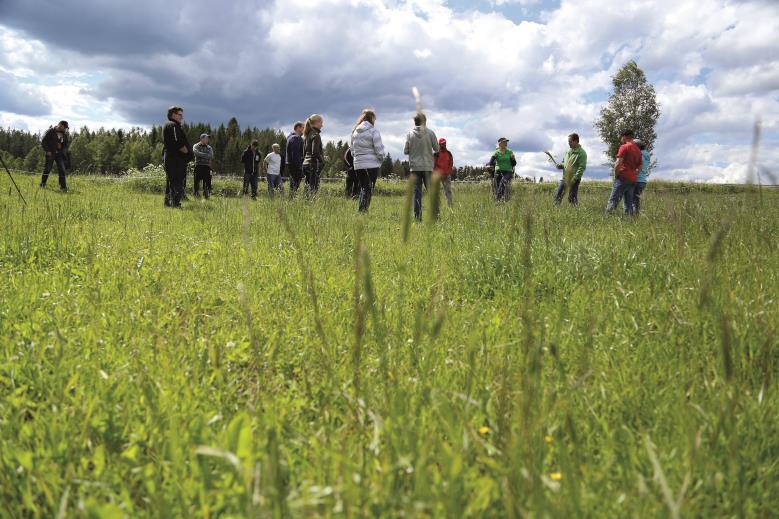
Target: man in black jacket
176,155
294,158
251,168
55,144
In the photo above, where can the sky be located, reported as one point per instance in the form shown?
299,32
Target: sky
530,70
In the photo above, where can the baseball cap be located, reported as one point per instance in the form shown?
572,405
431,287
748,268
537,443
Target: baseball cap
441,141
64,123
204,135
503,139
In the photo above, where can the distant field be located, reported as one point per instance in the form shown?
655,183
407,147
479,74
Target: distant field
294,359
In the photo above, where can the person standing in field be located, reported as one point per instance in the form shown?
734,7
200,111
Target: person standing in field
503,162
626,170
421,144
352,186
251,167
272,165
177,153
573,166
444,165
643,176
313,153
294,158
55,145
368,153
204,162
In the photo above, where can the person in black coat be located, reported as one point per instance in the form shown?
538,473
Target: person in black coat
352,186
251,168
294,158
55,144
177,153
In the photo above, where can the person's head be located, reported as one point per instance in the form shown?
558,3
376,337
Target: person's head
254,144
503,143
62,126
203,138
627,136
641,144
315,121
573,140
442,142
298,128
367,115
420,119
176,114
276,148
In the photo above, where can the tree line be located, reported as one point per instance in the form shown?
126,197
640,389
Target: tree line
114,152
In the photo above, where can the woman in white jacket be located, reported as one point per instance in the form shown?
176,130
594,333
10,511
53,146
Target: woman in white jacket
368,154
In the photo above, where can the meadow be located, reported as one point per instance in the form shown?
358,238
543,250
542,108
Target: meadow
296,359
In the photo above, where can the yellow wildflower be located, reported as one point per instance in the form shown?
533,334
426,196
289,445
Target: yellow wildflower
484,429
555,476
548,439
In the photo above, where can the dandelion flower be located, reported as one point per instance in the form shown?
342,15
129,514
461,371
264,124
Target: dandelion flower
484,429
548,439
555,476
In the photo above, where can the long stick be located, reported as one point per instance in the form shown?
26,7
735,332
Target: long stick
14,181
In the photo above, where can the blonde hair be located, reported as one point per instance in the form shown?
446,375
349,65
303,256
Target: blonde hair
308,128
369,114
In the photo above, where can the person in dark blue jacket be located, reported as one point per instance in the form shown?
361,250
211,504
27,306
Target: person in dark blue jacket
177,153
55,144
294,158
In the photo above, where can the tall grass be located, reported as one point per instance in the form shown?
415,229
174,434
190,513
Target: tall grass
296,359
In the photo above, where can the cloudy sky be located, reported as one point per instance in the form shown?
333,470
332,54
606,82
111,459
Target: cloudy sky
530,70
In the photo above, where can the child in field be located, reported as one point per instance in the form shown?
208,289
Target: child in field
643,176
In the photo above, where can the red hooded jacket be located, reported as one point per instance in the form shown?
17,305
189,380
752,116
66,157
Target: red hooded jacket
444,161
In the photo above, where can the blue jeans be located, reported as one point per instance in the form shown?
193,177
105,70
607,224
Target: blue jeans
573,193
619,190
274,183
421,180
640,186
503,184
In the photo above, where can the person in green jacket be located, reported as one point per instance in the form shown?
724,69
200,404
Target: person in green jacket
573,166
503,162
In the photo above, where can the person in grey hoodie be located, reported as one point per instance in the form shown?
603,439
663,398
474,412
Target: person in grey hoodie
421,143
367,153
204,161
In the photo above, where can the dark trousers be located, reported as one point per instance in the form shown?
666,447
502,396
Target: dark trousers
274,184
503,185
421,180
250,179
352,184
203,174
366,179
295,178
175,173
573,193
54,158
637,192
312,180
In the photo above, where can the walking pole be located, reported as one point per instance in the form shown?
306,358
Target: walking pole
14,181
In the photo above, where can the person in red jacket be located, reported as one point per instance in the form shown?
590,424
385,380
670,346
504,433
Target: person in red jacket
629,161
444,165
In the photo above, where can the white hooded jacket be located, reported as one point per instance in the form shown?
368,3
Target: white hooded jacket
367,149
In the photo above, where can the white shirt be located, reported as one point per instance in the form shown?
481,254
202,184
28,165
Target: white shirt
274,163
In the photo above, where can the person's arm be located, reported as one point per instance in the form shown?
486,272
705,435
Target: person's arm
436,146
378,146
513,161
179,140
617,165
406,147
581,165
199,153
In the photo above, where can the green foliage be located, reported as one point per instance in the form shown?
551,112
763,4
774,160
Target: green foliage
632,105
296,359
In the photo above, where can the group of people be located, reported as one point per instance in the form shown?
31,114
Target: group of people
303,161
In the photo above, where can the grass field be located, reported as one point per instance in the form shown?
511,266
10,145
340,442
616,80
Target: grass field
261,359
